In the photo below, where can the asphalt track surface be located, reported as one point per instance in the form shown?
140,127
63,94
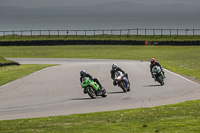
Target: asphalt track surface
56,90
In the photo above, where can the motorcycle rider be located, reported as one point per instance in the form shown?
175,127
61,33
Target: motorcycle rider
83,74
155,63
114,69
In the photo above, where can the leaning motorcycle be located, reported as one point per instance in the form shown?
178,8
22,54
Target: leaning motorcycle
92,88
158,75
122,81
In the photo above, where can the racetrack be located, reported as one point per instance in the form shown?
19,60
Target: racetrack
56,90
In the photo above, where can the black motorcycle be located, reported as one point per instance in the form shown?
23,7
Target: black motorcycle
158,75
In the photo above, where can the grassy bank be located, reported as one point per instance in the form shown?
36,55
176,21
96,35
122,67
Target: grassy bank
177,118
3,60
102,37
184,60
11,73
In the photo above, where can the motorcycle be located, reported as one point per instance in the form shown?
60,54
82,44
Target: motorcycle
92,88
158,75
122,81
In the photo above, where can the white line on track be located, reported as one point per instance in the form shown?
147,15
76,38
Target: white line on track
182,77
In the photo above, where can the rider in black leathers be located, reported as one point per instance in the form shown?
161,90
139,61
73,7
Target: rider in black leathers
155,63
114,69
84,74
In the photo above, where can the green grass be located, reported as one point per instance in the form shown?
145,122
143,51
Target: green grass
11,73
3,60
177,118
184,60
102,37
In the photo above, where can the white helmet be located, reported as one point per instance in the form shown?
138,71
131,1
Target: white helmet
114,66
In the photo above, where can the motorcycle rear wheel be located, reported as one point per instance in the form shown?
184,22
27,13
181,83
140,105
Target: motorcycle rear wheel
104,93
128,87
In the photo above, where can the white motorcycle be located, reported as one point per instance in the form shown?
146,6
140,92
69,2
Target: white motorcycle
122,81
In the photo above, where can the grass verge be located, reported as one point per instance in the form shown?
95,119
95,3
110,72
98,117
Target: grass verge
102,37
3,60
177,118
11,73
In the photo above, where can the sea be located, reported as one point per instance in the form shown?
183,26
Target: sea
66,22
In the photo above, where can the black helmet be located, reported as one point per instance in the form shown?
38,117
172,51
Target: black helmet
114,66
82,73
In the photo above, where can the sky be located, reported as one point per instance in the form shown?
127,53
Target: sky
56,3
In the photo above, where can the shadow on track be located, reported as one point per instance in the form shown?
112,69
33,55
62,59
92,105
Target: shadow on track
151,85
81,98
117,92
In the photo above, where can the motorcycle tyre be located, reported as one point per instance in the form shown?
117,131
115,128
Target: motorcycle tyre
122,86
104,93
91,93
128,87
161,81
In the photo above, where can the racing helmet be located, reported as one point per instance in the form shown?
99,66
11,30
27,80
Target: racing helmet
152,60
114,66
82,73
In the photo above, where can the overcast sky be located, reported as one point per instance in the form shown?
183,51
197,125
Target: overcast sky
51,3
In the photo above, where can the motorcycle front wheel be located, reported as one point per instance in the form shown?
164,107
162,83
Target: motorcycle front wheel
123,86
161,81
91,92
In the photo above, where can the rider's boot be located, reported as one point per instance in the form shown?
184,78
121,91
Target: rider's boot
99,92
163,74
153,76
129,83
84,91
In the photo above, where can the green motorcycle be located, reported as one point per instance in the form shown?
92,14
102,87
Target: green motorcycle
92,88
158,75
